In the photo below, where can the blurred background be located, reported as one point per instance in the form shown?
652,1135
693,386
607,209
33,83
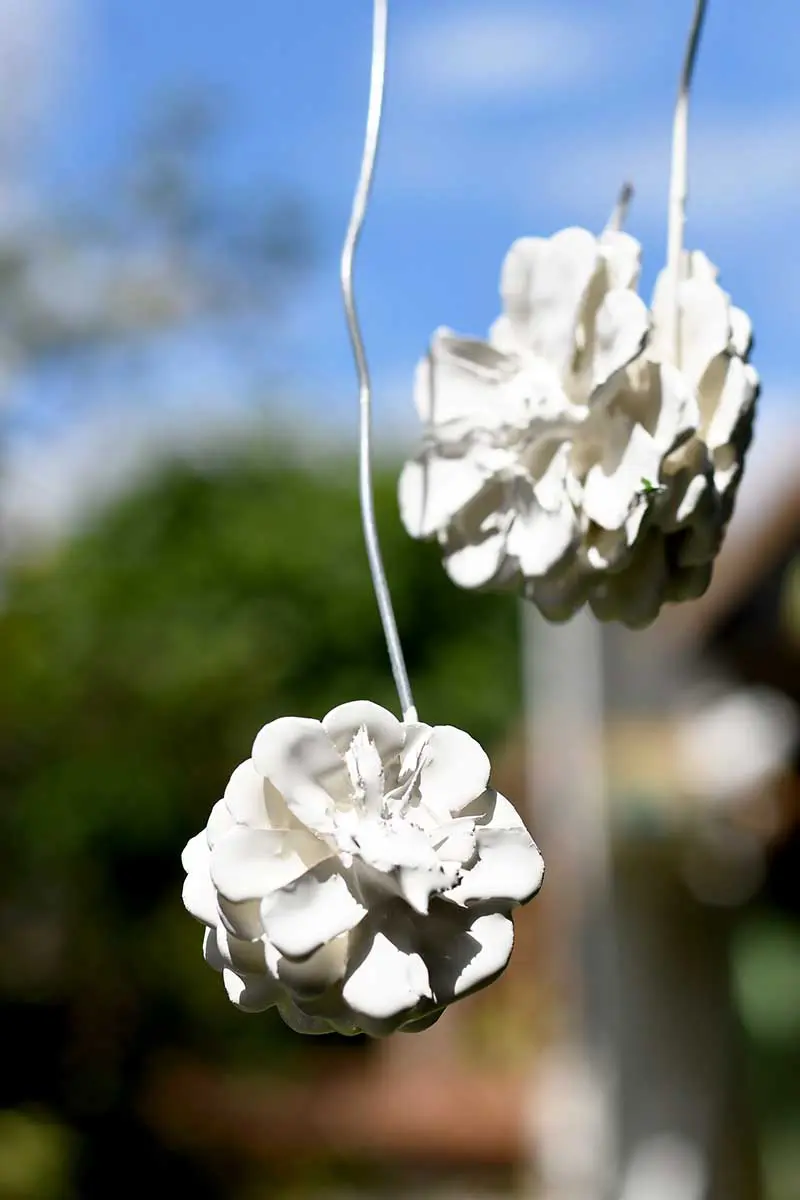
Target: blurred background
182,562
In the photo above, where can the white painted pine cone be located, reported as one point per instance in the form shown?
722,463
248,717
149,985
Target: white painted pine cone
575,456
359,873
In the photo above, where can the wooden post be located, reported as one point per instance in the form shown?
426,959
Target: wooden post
571,1121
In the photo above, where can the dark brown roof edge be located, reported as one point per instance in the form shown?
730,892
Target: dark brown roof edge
750,551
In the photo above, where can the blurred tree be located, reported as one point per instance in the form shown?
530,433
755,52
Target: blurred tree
163,249
139,661
141,656
102,285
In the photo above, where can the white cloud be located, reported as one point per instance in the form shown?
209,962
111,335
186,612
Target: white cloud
35,41
742,174
51,481
741,169
495,52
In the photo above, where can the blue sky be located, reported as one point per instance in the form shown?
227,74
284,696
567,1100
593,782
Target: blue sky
503,118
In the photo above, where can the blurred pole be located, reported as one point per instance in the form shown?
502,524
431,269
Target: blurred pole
571,1119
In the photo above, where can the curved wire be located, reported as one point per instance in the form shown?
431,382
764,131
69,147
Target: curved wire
365,489
679,174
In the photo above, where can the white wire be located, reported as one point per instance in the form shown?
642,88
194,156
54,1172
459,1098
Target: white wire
679,174
616,222
379,582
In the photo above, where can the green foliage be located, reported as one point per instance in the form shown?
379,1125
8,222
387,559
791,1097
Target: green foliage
34,1157
766,975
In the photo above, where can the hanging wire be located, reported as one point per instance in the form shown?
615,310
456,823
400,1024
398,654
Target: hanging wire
379,582
679,175
619,214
